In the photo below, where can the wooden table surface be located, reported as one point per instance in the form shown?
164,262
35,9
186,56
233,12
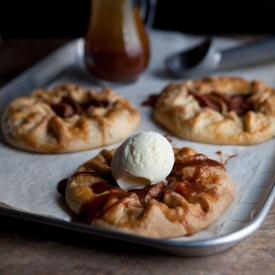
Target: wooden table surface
29,248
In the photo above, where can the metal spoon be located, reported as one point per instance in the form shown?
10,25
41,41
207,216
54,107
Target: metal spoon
204,58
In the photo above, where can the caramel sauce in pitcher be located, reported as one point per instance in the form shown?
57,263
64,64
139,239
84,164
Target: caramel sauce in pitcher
116,42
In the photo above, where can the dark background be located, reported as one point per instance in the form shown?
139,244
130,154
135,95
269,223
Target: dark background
70,18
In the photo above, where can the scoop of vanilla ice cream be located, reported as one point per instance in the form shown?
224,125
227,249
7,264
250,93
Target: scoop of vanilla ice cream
142,159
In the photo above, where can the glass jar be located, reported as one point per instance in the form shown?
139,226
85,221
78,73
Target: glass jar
116,42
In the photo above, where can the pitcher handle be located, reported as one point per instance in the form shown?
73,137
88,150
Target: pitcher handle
148,11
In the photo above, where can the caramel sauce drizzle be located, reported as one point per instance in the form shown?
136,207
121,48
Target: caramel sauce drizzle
96,207
224,162
151,100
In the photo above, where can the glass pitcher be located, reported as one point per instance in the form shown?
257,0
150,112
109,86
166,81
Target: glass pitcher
116,42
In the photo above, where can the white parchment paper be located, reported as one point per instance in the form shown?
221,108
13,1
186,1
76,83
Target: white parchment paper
28,181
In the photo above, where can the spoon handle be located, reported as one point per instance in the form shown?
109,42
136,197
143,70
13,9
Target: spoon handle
248,54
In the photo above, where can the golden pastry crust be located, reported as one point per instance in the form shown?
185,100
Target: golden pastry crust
198,192
68,118
218,110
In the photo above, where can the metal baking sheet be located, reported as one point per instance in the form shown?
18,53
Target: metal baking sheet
66,65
